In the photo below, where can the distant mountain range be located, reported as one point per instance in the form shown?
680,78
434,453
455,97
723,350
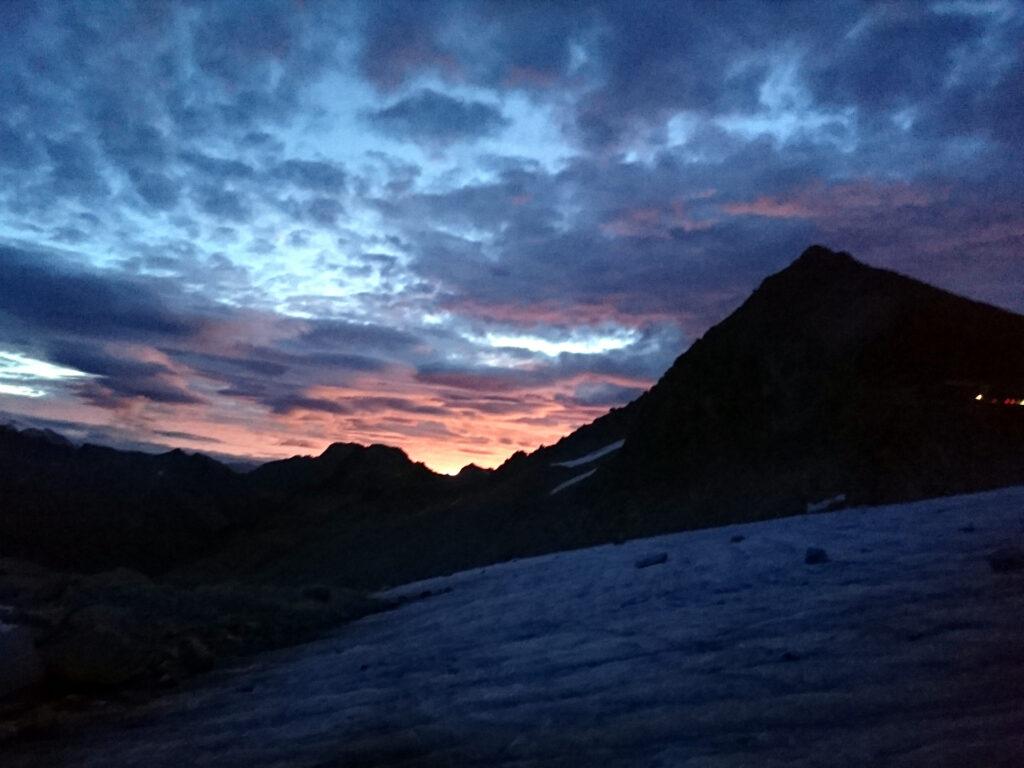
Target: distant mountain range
835,382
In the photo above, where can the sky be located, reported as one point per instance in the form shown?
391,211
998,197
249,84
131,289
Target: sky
463,228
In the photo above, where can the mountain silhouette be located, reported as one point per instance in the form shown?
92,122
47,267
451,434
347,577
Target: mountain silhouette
833,378
834,382
89,507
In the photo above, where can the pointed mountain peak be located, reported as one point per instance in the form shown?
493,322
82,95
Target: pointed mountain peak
821,261
820,255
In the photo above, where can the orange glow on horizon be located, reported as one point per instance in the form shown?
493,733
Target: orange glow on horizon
444,426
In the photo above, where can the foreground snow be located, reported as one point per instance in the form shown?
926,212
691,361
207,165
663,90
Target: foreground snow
904,650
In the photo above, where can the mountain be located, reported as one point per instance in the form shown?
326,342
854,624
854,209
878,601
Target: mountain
339,517
88,508
835,382
833,379
366,472
91,508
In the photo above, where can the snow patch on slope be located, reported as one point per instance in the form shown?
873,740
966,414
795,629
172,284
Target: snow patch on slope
592,456
572,481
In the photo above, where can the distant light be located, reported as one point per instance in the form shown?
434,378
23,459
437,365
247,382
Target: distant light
979,397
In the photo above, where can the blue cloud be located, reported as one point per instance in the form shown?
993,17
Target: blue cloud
431,117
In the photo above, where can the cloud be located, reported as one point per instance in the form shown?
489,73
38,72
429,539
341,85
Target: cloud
313,175
603,393
346,334
41,294
289,404
74,171
250,265
434,118
156,189
224,203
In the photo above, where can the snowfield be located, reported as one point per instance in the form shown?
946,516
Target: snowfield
904,649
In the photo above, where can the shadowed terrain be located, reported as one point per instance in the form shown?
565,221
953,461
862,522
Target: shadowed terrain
834,384
899,647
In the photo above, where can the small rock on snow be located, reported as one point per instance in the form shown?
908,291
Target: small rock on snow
815,556
647,562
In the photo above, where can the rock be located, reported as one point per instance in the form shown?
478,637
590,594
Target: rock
318,592
20,665
737,539
1006,559
649,560
92,650
815,556
195,655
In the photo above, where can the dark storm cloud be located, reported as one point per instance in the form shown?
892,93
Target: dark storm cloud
118,378
342,334
288,404
43,295
250,361
602,393
115,391
340,362
913,53
431,117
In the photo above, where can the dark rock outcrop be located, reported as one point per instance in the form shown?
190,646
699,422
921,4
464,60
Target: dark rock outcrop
815,556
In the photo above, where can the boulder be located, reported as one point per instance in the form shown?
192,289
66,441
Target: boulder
815,556
92,649
649,560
